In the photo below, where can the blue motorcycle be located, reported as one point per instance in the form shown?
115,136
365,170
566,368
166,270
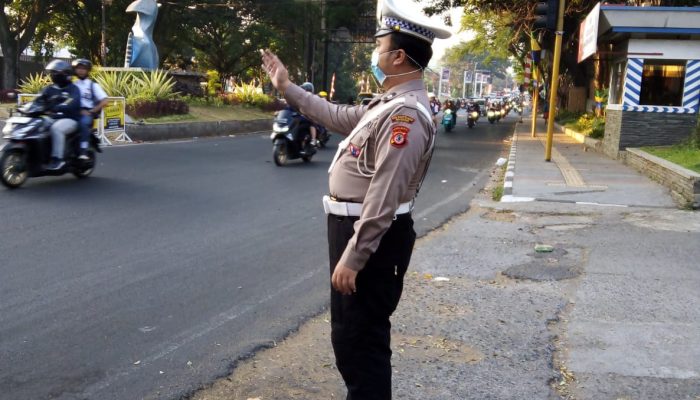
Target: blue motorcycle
448,120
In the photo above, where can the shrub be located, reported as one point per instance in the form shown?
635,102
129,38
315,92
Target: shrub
136,87
564,117
34,83
157,108
213,83
155,84
590,125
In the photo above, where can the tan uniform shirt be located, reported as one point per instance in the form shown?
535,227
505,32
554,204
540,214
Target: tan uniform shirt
384,163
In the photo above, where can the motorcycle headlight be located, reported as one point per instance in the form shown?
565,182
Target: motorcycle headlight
475,114
19,132
448,111
491,114
279,128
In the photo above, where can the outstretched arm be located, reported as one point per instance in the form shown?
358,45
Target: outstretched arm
341,119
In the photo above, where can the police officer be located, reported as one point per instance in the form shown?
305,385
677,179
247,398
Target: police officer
374,177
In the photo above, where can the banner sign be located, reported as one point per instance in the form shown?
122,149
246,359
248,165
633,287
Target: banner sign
114,116
445,74
468,76
588,34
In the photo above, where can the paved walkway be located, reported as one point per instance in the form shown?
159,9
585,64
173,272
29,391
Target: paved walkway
574,175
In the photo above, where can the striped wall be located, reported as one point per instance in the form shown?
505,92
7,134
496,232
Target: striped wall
691,92
633,82
633,86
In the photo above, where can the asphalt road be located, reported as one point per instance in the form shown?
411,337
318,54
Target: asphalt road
151,278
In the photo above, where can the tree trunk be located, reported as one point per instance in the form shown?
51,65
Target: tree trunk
10,65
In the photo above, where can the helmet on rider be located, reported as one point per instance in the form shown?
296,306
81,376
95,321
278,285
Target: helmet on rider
59,71
323,94
308,86
84,64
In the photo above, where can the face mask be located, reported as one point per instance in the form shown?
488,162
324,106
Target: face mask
379,74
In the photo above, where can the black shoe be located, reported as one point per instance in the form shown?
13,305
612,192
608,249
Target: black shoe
56,164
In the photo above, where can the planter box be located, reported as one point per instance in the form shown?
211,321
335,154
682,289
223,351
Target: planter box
683,183
588,142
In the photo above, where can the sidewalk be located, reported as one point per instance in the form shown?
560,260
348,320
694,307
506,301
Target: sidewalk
611,313
575,175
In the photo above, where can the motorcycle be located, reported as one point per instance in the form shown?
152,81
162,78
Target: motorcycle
493,115
322,136
448,120
27,150
472,117
291,137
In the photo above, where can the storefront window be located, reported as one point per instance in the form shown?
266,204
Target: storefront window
617,80
662,83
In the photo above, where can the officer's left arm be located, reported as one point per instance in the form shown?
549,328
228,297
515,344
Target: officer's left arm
401,142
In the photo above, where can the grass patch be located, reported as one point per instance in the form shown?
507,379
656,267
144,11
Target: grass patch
497,191
214,113
684,155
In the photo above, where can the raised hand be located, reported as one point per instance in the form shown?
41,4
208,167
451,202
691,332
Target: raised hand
275,70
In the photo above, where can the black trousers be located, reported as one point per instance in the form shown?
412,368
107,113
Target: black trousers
360,327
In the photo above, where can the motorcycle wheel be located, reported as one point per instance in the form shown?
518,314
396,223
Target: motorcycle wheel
85,168
492,121
279,153
448,128
471,124
13,167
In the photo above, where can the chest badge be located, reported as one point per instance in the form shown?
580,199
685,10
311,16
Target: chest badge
399,136
354,150
402,118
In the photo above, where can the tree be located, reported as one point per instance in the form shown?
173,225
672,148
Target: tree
18,22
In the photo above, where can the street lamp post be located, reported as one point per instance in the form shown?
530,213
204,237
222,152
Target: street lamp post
103,40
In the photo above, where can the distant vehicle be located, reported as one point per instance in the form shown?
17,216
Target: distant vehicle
365,97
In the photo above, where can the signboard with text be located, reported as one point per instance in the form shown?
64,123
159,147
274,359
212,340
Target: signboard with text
588,34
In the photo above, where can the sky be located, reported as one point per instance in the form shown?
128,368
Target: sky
440,45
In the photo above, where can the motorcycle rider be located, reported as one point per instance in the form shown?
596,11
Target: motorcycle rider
92,100
63,98
309,87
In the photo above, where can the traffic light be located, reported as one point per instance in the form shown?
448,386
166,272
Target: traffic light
546,15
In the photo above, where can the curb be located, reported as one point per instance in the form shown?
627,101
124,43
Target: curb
510,175
186,130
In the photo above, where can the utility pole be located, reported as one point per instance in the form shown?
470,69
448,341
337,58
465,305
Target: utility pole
555,81
324,29
103,43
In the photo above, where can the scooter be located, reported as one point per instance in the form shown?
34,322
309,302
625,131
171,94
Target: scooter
291,137
322,136
472,117
448,120
493,115
27,150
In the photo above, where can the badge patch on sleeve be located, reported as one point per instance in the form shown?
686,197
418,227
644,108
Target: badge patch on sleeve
354,150
399,136
403,118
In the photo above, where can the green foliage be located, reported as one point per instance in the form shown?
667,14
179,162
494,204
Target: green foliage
213,83
117,84
565,117
685,155
155,84
251,94
136,86
587,124
34,83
